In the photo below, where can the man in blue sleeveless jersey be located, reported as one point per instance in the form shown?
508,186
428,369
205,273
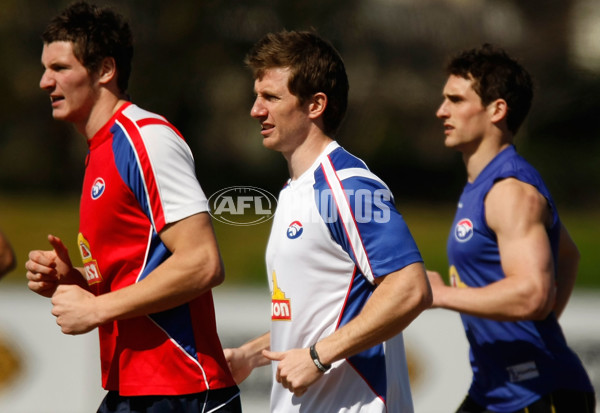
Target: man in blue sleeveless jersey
512,262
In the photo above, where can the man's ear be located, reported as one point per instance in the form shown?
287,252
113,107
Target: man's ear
108,71
317,105
498,110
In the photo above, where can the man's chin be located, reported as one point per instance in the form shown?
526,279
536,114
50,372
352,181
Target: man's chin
269,144
57,115
450,143
61,116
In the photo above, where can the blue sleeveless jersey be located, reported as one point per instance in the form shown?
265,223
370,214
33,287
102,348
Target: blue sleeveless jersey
513,363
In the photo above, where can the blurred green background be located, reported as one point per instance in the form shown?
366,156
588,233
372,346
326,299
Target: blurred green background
243,247
188,67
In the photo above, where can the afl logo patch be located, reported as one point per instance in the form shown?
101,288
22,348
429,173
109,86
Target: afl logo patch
98,188
464,230
294,230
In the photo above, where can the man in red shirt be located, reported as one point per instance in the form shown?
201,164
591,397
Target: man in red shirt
150,257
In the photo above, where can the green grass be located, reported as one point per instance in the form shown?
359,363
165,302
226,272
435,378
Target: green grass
243,252
28,220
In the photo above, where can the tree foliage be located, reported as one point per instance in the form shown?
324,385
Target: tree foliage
188,67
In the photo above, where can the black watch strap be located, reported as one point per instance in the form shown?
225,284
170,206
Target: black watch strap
315,358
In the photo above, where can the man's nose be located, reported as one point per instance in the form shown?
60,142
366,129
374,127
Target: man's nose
46,82
258,110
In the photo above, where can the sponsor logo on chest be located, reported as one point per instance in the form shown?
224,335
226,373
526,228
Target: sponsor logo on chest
90,266
281,308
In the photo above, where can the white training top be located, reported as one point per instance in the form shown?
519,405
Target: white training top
335,230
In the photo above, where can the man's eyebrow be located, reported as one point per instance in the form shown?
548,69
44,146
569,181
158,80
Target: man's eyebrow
452,95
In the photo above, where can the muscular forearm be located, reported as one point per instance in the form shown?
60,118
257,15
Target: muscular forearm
254,348
171,284
244,359
193,268
394,304
511,299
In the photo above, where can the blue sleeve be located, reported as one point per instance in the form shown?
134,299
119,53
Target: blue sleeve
375,229
128,167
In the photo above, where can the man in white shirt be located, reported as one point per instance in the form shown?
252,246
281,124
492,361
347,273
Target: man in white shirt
345,274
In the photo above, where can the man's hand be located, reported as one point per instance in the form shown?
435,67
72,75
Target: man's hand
47,269
295,371
244,359
238,364
74,309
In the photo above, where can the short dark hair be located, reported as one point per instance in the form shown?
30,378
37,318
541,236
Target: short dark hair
96,33
496,75
315,67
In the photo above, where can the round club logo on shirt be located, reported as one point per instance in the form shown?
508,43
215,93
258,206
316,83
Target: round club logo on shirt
294,230
98,188
463,230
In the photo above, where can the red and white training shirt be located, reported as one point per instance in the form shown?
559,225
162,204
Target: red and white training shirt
139,177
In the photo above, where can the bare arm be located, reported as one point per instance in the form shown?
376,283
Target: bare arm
7,256
244,359
398,299
566,271
193,268
518,214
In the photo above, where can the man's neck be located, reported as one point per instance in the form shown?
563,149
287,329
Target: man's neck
477,160
305,155
106,106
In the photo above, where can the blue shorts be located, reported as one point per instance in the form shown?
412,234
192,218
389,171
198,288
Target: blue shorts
221,400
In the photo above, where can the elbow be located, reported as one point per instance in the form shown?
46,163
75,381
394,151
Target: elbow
204,275
426,293
426,298
422,297
215,274
538,314
218,276
538,305
419,301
